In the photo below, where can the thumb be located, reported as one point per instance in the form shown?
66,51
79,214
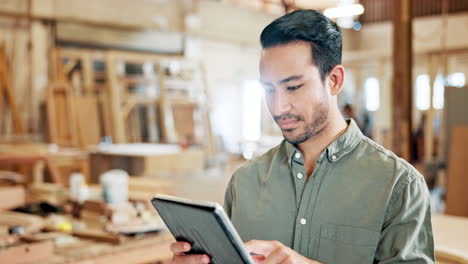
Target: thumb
261,247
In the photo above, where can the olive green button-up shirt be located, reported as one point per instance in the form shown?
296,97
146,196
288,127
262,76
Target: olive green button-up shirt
362,204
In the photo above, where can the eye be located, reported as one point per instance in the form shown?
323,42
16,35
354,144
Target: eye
292,88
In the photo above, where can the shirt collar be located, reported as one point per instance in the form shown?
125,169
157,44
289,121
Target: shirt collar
341,146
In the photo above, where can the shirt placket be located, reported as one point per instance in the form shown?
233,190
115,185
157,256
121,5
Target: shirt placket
299,175
306,207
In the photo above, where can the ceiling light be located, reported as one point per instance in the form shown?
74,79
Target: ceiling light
344,11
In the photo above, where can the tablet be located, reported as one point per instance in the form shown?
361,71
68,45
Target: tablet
205,226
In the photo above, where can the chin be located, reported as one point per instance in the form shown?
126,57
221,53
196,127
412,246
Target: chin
294,138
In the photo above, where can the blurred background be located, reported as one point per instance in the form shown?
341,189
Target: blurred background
105,103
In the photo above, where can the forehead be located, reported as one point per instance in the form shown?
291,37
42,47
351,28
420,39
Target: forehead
281,61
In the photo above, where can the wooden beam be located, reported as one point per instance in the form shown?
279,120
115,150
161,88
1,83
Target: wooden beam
68,67
432,66
114,100
402,78
88,72
61,116
6,86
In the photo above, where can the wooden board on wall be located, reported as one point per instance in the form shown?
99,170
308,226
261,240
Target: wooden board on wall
454,113
457,196
87,113
184,122
61,115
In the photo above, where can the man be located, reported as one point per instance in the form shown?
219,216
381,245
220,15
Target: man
326,194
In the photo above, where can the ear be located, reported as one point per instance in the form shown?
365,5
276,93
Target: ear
335,80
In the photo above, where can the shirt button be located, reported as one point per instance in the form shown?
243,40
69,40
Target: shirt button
297,155
299,175
303,221
334,157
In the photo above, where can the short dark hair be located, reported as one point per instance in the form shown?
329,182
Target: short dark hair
310,26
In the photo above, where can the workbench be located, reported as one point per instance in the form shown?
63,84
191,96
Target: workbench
146,159
450,239
151,249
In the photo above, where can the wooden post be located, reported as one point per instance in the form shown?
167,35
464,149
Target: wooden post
115,100
7,88
402,78
432,65
165,109
88,73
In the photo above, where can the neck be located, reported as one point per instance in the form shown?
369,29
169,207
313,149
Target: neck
313,147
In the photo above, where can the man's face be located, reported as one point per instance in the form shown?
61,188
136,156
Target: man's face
297,99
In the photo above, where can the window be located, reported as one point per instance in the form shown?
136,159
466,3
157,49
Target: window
251,110
422,89
422,98
372,94
438,96
456,79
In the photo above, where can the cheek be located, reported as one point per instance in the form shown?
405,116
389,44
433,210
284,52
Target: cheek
307,103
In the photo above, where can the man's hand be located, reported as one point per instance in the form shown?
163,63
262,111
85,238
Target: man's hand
180,248
276,253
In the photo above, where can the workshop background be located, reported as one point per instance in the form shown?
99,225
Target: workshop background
104,104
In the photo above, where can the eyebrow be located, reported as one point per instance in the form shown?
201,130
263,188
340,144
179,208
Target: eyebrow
285,80
291,78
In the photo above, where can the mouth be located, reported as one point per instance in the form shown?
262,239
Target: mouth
288,124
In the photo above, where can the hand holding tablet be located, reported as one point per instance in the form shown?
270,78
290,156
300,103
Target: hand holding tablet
206,229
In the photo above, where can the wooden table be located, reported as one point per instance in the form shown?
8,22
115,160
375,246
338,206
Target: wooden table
146,160
151,249
34,161
451,239
59,162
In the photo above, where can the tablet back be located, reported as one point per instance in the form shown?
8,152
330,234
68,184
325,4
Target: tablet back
205,226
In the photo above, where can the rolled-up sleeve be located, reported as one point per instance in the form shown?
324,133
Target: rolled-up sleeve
406,235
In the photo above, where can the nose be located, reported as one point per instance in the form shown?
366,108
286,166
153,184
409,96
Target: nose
281,104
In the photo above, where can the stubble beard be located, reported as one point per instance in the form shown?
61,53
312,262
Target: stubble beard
318,124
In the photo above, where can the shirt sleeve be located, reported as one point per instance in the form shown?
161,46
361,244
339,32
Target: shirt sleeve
229,197
406,235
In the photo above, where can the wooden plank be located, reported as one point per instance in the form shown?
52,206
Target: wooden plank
31,159
99,235
11,197
184,123
56,62
210,145
115,100
88,72
454,115
432,66
151,123
68,66
63,130
402,80
457,197
89,132
2,106
40,67
51,116
151,249
105,118
31,223
450,238
24,253
76,83
18,126
61,114
165,110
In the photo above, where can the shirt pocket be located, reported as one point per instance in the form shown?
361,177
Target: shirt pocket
346,244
